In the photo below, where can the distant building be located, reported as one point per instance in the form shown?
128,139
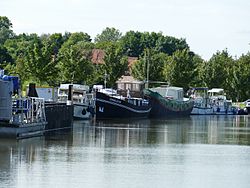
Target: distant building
98,58
129,83
126,82
131,61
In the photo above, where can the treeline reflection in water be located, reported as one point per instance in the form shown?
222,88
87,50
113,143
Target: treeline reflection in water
141,133
90,138
153,132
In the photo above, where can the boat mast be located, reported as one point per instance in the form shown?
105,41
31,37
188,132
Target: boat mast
105,79
147,67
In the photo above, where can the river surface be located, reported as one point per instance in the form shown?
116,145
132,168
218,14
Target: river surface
195,152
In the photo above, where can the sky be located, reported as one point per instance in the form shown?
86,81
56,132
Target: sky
207,25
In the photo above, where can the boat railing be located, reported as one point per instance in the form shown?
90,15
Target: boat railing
28,110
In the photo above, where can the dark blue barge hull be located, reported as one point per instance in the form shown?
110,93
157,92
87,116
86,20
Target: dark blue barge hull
108,107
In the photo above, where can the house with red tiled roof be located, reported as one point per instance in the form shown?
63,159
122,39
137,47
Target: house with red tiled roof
98,58
126,82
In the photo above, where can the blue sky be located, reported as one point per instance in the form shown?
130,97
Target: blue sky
207,25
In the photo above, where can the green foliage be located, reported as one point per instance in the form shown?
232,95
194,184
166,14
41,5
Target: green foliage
4,56
74,38
115,64
219,71
5,29
181,69
242,77
35,59
41,62
131,44
54,42
75,63
108,35
18,49
169,45
156,62
199,79
134,43
55,58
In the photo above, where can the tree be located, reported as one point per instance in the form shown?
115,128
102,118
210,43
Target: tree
75,38
131,44
134,43
155,62
108,35
5,57
75,63
199,79
41,63
181,69
35,60
17,47
115,64
169,45
5,29
53,42
219,72
242,77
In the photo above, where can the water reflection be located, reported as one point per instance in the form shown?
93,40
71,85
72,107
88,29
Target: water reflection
192,130
179,152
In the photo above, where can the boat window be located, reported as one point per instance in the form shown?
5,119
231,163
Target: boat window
145,102
128,86
121,86
136,87
63,92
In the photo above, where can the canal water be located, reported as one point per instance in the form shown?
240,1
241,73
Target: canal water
193,152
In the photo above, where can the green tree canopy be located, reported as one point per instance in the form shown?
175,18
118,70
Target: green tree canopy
242,77
134,43
74,38
75,63
108,35
156,63
115,63
219,71
5,57
181,69
41,62
18,48
131,44
5,29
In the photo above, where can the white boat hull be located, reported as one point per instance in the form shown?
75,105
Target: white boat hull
81,111
221,110
202,111
212,111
